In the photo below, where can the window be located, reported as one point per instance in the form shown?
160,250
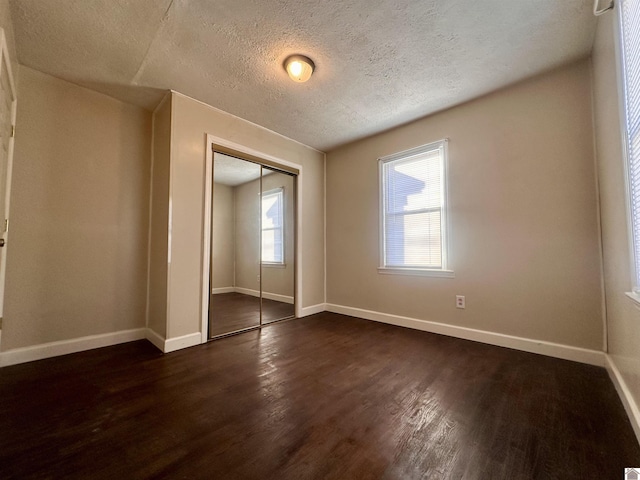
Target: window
630,22
413,196
272,226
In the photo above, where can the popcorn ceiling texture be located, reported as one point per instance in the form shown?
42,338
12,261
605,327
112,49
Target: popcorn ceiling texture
379,63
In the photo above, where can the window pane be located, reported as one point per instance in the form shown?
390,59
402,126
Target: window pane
413,202
415,183
272,246
272,227
414,240
631,65
272,210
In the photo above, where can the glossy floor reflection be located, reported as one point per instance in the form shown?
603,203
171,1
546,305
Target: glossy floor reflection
235,311
321,397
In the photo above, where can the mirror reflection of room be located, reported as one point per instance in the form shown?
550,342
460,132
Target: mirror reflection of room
252,219
277,222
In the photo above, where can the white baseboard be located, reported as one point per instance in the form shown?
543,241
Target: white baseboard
173,344
277,297
155,338
215,291
566,352
269,296
592,357
185,341
629,403
306,311
247,291
64,347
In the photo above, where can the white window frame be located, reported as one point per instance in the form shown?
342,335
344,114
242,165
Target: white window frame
634,294
446,269
275,191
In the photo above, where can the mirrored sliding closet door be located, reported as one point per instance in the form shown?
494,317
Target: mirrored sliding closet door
252,246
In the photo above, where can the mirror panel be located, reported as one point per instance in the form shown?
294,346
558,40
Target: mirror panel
235,246
277,246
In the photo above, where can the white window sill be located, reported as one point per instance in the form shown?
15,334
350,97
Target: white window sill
275,265
417,272
634,297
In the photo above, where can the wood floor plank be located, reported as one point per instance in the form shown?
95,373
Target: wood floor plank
327,396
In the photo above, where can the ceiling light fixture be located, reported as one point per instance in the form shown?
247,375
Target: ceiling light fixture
299,68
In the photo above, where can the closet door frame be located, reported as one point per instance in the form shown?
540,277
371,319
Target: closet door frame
227,147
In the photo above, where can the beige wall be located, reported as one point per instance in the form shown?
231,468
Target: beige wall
77,261
623,317
247,228
524,231
192,121
158,258
223,241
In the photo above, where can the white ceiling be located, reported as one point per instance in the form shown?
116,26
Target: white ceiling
379,63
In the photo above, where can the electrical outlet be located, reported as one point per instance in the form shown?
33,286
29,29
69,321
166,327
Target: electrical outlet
258,277
460,303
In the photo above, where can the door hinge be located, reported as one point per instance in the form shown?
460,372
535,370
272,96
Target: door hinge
13,131
6,224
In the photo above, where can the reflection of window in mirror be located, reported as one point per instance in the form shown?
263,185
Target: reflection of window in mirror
273,227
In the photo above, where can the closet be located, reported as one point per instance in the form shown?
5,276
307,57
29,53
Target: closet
252,279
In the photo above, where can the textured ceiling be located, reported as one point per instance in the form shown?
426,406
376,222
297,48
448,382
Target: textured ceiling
379,63
233,171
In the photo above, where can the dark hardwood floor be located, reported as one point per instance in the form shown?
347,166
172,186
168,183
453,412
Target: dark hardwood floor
230,312
323,397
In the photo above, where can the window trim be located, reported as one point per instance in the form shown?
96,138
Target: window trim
274,191
446,268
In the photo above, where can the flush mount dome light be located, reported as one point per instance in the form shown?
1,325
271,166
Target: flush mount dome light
299,68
